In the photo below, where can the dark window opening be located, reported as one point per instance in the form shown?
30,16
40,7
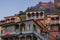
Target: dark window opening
1,31
52,19
34,38
29,37
29,15
57,18
32,14
8,19
16,26
22,24
41,13
22,27
37,14
22,38
12,18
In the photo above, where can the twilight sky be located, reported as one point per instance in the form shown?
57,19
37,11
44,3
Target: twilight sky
11,7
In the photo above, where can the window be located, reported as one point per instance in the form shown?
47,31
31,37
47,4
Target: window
8,19
29,15
29,37
41,13
22,38
57,18
34,38
32,14
9,28
37,14
22,27
52,19
12,18
16,26
1,31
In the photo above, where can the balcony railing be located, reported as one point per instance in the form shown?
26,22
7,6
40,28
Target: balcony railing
10,34
26,32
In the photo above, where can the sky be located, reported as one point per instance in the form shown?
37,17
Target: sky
12,7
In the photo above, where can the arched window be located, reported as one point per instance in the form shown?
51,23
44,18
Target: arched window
32,14
41,13
16,27
52,18
12,18
16,38
8,19
34,38
37,14
22,27
29,37
22,38
29,15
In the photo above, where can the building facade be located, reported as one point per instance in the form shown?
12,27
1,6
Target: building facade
8,20
37,26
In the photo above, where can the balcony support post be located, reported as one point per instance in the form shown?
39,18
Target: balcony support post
19,27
